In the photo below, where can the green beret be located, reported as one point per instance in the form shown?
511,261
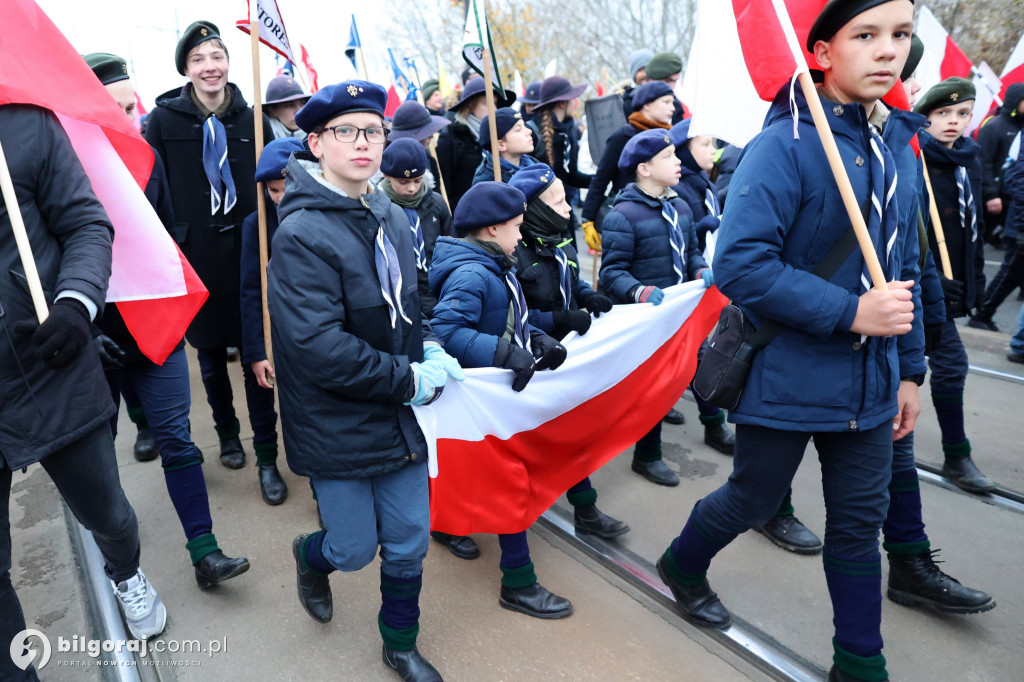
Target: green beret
429,88
197,33
948,92
835,15
109,68
663,65
914,58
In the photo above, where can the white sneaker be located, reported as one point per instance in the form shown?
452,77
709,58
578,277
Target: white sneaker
143,611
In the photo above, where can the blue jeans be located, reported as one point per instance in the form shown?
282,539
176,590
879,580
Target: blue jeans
391,511
213,363
948,361
1017,342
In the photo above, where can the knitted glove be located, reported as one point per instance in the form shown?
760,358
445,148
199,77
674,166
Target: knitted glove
571,320
64,334
708,277
652,295
596,303
549,353
433,353
517,359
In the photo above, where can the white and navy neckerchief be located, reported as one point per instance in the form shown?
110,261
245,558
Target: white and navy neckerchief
883,223
215,164
418,245
675,238
968,214
520,313
389,274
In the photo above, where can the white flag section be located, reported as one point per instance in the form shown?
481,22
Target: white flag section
987,86
272,32
476,38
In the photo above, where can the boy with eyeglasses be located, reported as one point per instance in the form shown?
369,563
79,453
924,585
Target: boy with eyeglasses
353,352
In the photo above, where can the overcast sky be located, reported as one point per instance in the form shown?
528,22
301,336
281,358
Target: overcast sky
145,33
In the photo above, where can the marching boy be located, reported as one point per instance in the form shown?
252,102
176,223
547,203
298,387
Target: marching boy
353,352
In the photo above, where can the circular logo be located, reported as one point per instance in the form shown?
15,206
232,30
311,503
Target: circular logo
23,655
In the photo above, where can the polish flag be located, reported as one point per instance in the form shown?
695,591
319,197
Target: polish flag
498,459
311,73
154,287
393,101
942,57
1013,72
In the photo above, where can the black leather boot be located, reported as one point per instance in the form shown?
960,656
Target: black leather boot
720,438
592,521
788,533
674,416
983,320
231,453
966,475
272,486
535,601
410,665
917,580
216,568
655,472
698,604
461,546
145,448
314,590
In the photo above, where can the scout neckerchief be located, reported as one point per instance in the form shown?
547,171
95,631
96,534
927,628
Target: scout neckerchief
215,163
418,246
968,216
882,223
519,312
711,203
675,238
389,274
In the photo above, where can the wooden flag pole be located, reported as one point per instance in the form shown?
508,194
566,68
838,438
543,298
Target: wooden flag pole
28,262
491,123
261,204
440,180
362,58
835,161
940,235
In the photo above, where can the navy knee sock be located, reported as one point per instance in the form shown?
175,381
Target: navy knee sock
694,549
313,553
399,610
515,550
855,586
949,408
903,529
187,488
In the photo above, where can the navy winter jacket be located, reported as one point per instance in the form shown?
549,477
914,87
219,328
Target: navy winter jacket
1014,178
485,171
783,216
636,246
253,346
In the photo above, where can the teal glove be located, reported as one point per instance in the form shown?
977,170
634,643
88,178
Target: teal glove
433,353
706,275
428,382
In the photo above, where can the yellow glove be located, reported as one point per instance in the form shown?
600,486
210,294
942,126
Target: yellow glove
591,235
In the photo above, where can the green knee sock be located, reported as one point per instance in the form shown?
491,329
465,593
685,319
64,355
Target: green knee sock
870,668
516,578
266,453
647,452
138,416
228,432
200,546
398,640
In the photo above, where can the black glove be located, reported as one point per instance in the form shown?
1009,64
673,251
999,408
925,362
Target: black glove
549,353
111,355
597,304
932,337
571,320
517,359
64,334
952,289
708,223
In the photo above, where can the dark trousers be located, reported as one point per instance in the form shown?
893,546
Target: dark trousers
213,363
85,473
948,361
1007,280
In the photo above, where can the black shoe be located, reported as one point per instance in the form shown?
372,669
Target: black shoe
719,437
788,533
314,589
1015,357
966,475
145,447
535,601
837,675
982,322
674,416
655,472
231,453
592,521
216,568
917,580
410,665
461,546
698,604
272,486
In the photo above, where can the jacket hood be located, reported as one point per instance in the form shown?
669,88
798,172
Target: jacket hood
633,193
306,189
1014,95
451,253
506,167
963,153
180,99
690,166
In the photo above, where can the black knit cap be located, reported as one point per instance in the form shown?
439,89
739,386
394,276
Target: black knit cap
198,32
835,15
914,58
109,68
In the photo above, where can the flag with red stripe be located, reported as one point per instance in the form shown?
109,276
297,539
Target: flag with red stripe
942,57
1013,72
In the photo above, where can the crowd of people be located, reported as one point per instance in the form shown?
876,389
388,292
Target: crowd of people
397,259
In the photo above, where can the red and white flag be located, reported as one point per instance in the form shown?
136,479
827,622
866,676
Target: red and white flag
155,288
498,459
1013,72
311,73
272,32
942,57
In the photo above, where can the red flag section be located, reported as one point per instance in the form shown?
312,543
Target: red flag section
766,50
393,102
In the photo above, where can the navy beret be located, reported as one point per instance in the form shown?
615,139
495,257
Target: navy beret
341,98
415,121
504,120
109,68
641,148
196,33
486,204
650,91
533,180
947,93
275,157
404,158
835,15
532,95
680,132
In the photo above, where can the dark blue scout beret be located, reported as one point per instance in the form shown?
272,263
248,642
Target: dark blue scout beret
109,68
532,95
196,33
835,15
275,157
413,120
650,91
641,148
914,58
948,92
504,120
680,132
485,204
404,158
533,180
347,97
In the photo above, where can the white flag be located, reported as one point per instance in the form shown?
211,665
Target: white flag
477,38
272,33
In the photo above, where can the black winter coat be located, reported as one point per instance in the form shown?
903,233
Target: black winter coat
458,155
435,221
565,145
343,372
212,243
538,274
42,409
608,172
995,138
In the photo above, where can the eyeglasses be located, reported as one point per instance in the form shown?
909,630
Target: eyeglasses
350,133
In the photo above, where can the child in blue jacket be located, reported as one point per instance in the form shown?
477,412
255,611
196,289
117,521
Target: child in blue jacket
515,145
482,319
650,244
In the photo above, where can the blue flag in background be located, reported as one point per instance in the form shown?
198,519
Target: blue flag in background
353,43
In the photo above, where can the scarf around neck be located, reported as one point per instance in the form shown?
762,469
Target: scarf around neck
641,122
